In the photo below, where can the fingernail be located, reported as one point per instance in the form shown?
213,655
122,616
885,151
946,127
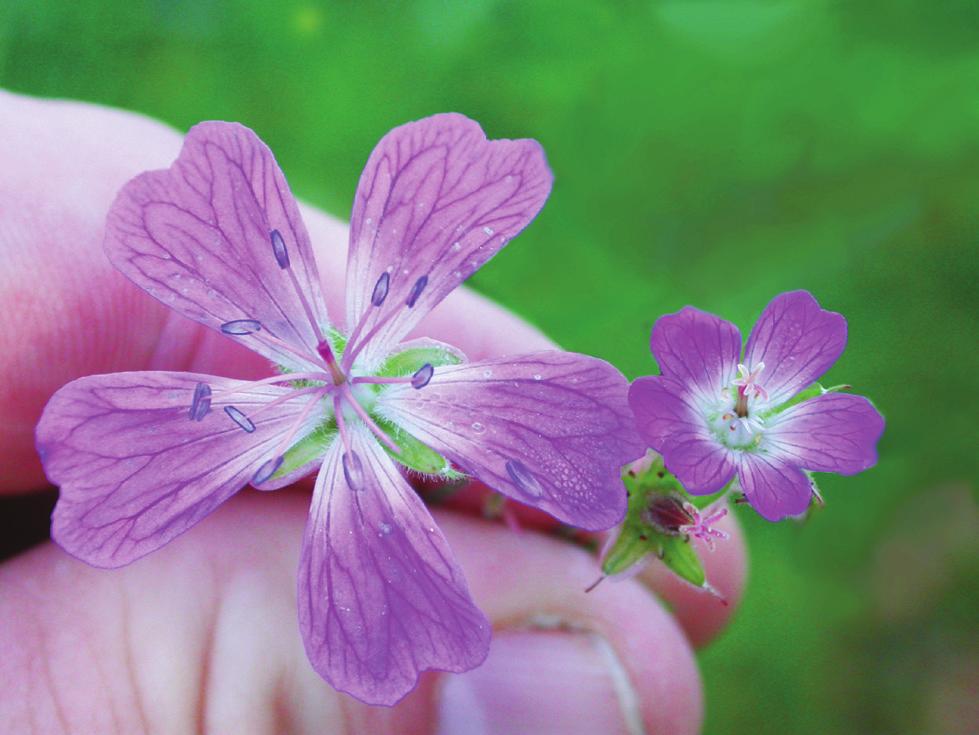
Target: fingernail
541,682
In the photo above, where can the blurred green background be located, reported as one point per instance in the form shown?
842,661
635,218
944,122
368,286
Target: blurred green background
710,153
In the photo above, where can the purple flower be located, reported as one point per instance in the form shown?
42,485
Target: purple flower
712,415
141,457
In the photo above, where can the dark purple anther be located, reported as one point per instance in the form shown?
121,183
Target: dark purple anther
241,327
416,291
422,376
666,514
267,470
201,402
381,289
353,470
241,419
523,478
279,248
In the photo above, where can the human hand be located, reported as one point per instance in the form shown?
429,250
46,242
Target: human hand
201,636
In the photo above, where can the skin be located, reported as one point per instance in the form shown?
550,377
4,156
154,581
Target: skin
202,635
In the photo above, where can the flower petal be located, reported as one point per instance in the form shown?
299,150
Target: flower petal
136,471
774,488
797,340
381,598
698,349
198,236
670,424
436,200
834,432
551,430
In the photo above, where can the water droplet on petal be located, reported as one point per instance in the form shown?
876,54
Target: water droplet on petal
384,529
456,246
488,230
487,373
523,479
478,427
538,376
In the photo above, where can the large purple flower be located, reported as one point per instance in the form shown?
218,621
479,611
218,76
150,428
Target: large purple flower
142,457
711,415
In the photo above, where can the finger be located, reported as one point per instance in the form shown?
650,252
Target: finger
67,313
701,614
170,644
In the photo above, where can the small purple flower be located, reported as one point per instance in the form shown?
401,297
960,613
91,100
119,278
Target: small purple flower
141,457
713,415
701,525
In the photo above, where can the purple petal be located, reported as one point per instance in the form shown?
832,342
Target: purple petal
199,237
436,200
774,488
381,598
698,349
670,424
135,470
798,342
834,432
551,430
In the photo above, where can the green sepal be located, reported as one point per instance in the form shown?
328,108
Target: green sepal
407,362
811,392
307,449
414,455
637,538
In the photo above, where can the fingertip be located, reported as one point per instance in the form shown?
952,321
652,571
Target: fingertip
531,583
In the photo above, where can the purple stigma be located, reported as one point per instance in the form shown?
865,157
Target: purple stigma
353,470
279,249
267,470
201,402
416,291
241,327
523,479
422,376
381,289
239,418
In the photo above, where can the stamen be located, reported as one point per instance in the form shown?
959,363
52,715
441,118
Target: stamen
322,389
317,332
356,343
326,352
286,441
239,418
416,291
241,327
284,378
368,421
267,470
353,470
523,479
279,249
381,289
269,340
201,403
377,379
422,376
